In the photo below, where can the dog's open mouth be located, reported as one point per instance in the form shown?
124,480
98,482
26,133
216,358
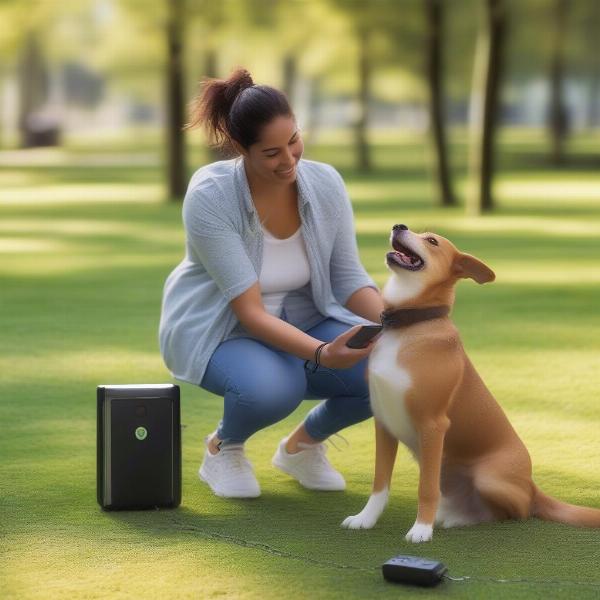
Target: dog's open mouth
404,257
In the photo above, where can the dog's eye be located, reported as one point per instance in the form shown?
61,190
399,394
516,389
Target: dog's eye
433,241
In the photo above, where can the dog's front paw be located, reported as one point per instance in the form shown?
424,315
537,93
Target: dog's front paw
368,516
363,520
420,532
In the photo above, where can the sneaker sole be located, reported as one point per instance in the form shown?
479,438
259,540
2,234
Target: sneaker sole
303,483
221,494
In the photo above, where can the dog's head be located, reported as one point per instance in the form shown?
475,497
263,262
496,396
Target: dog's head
425,267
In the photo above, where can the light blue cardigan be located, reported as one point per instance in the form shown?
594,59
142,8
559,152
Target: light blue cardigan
224,248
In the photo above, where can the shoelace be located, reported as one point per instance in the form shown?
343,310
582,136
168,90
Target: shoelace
330,440
317,453
321,447
234,454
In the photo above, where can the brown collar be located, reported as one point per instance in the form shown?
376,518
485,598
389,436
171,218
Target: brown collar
403,317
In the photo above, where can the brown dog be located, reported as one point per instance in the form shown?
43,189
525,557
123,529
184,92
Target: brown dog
426,393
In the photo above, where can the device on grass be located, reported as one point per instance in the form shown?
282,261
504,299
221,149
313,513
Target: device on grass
414,570
138,446
363,336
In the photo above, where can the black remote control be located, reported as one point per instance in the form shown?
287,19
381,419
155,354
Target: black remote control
414,570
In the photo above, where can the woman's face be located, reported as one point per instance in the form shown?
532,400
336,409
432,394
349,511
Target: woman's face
275,155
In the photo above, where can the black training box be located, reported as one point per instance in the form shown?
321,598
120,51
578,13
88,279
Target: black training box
138,446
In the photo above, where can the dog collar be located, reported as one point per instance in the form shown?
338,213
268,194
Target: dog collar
403,317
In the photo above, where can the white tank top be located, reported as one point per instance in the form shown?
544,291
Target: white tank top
284,268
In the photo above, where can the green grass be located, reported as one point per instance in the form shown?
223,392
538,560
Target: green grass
84,251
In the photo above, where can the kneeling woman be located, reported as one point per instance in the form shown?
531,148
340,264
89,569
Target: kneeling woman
261,307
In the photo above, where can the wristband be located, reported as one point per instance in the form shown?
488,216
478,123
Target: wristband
317,359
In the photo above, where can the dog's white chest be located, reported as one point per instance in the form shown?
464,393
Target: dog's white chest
388,384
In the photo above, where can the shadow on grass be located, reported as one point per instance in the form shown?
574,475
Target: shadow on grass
305,526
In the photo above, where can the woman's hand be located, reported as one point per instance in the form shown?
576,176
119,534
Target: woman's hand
336,355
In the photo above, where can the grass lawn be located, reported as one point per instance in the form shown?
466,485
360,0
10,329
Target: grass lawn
85,246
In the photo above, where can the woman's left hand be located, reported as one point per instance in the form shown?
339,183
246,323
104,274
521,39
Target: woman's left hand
336,355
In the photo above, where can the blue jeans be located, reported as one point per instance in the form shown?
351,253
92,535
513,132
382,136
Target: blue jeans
262,385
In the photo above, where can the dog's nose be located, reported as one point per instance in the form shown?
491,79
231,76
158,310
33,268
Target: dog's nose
402,227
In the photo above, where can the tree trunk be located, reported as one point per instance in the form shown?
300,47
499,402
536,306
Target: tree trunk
557,114
210,63
176,162
210,71
594,88
485,104
594,84
290,70
434,42
364,74
33,86
2,79
309,131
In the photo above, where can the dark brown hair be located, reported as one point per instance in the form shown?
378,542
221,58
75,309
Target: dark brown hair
236,109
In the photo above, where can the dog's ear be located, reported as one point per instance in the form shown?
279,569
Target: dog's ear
466,265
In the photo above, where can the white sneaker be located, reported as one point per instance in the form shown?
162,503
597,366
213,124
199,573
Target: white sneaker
309,466
229,473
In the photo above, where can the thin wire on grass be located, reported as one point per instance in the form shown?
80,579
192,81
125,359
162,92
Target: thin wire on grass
467,578
265,547
214,535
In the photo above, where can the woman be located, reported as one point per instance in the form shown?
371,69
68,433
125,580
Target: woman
261,307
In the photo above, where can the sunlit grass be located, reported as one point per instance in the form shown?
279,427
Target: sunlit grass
536,226
77,366
553,189
20,245
86,229
62,157
77,194
84,253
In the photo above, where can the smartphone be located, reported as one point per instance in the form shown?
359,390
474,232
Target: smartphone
363,336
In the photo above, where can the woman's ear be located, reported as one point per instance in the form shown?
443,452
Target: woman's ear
468,266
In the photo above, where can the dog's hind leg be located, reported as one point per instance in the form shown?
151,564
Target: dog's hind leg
462,507
386,447
505,488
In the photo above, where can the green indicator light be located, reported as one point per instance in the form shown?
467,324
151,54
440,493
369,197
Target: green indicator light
141,433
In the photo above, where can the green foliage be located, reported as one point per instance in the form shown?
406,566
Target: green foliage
532,26
125,41
86,247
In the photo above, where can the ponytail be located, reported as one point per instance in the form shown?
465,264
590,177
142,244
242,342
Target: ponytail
235,109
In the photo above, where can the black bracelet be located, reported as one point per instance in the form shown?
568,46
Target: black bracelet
317,359
318,353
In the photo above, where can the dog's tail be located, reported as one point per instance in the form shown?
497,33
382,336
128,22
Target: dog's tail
550,509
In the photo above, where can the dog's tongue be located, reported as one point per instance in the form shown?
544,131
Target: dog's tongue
405,259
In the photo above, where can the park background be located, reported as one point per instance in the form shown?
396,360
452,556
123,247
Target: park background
476,119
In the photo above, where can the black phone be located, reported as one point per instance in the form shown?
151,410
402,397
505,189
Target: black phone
363,336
